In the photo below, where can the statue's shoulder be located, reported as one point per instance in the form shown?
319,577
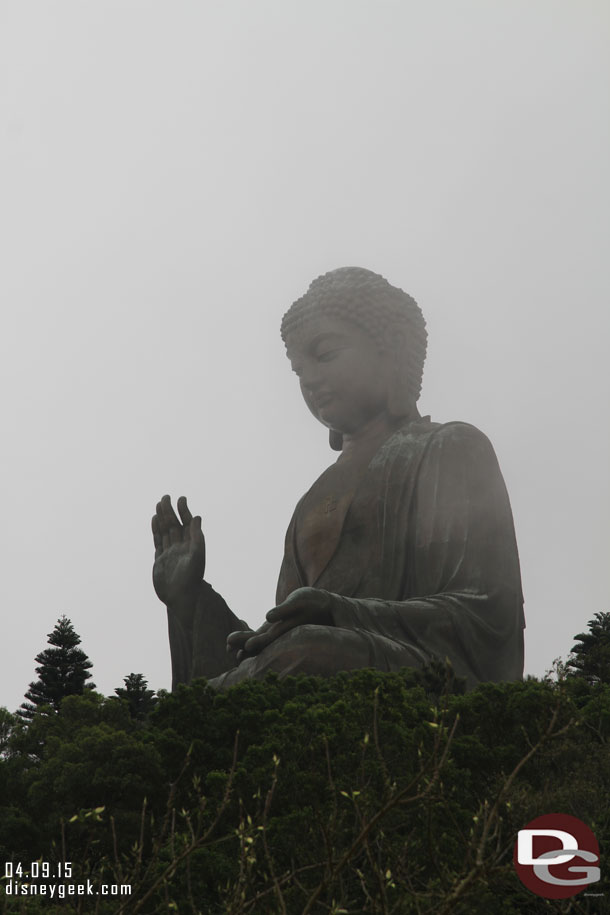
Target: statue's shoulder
424,428
422,436
458,431
461,444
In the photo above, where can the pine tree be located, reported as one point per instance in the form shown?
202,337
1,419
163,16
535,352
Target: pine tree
63,671
591,659
140,699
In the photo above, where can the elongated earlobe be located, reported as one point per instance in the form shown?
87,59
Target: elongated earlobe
400,398
400,391
335,440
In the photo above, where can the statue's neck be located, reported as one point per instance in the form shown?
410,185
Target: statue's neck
372,434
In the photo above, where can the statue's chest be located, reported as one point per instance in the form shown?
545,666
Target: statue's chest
324,517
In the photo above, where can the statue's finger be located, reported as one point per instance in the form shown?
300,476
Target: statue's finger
184,511
157,538
284,610
238,639
195,531
160,518
298,600
168,514
278,613
259,641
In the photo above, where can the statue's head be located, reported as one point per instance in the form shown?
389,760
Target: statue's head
375,335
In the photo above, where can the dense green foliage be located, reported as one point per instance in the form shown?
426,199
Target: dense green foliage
63,670
361,793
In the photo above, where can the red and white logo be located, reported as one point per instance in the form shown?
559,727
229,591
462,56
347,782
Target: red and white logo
556,856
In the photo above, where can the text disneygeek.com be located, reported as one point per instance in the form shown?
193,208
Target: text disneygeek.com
63,890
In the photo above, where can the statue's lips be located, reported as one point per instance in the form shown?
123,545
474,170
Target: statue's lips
321,400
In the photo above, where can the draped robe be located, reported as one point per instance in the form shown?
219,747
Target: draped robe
426,565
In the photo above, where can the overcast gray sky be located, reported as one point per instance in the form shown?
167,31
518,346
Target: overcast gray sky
174,175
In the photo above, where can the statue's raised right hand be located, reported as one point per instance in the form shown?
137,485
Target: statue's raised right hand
179,553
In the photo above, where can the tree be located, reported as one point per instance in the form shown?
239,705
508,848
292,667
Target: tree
591,658
140,699
63,671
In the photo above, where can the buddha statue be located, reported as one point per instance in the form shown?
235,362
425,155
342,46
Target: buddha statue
401,552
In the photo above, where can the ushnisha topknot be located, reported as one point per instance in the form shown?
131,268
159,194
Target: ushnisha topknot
380,309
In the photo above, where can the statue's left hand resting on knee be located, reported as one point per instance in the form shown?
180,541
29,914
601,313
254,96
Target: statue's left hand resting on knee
305,606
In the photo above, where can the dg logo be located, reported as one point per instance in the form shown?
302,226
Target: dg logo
556,856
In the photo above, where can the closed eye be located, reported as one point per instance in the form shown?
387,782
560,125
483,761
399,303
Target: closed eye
327,355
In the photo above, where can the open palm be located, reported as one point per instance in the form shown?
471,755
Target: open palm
179,552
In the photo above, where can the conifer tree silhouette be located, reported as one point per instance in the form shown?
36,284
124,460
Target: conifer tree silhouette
590,659
139,698
63,671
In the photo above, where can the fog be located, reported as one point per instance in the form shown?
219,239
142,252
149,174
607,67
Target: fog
174,176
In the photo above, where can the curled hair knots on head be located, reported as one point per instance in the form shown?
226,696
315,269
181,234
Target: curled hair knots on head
383,311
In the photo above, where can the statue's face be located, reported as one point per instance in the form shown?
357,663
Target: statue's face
342,372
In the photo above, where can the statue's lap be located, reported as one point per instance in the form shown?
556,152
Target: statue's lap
322,651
